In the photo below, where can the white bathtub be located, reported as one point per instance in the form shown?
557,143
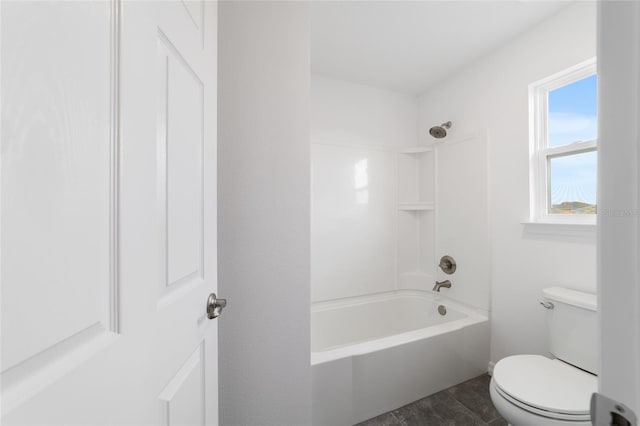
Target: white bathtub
376,353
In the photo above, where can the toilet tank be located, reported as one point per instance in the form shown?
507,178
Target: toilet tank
572,326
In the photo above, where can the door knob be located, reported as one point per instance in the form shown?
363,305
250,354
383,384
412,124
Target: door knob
215,306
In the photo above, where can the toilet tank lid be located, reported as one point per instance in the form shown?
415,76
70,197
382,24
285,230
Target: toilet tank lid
571,297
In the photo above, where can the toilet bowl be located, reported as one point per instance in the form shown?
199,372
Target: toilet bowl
533,390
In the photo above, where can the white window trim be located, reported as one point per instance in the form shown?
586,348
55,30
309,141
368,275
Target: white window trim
539,152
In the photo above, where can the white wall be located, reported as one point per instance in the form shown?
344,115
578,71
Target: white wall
354,114
492,93
264,200
355,133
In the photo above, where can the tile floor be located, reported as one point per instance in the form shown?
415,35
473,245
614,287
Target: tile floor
466,404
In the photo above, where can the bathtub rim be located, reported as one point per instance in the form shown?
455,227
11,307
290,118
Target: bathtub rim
472,314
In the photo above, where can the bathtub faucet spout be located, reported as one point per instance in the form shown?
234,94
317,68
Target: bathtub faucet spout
440,284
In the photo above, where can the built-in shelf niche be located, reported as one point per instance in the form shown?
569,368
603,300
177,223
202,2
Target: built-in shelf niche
416,218
416,178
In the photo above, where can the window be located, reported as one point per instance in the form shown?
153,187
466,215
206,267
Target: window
564,146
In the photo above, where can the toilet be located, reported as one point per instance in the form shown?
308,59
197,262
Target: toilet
533,390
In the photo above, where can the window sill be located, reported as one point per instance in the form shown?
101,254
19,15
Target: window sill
576,232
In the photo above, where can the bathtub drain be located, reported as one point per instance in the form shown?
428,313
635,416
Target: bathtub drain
442,310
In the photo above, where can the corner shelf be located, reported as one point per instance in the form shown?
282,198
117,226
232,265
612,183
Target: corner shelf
416,227
416,150
416,206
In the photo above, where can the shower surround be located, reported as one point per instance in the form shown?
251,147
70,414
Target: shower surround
384,209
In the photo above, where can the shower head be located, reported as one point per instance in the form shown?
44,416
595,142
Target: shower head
440,132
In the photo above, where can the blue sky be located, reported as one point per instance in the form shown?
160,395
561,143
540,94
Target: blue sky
573,117
579,97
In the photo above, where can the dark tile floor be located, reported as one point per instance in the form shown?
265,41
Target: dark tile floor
466,404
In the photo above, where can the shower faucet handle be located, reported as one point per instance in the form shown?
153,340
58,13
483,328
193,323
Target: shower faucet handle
448,264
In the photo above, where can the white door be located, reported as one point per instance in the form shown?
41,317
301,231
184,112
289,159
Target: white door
108,213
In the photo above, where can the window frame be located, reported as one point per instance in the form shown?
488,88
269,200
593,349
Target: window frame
541,153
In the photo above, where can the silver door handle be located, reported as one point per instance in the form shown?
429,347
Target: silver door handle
215,306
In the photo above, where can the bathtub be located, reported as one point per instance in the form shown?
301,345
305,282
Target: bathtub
372,354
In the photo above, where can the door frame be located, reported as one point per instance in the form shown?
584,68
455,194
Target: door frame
618,203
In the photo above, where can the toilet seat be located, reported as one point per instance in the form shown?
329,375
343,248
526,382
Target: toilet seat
539,412
545,387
